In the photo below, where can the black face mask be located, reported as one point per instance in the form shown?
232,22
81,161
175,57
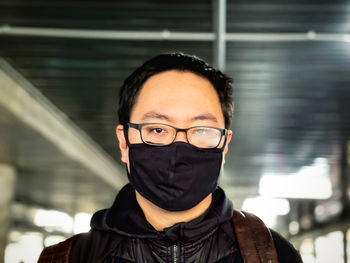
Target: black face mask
175,177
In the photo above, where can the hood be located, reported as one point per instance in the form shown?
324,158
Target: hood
126,218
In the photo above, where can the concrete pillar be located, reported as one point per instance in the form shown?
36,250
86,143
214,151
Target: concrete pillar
7,186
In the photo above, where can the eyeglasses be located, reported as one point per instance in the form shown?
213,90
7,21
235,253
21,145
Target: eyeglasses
160,134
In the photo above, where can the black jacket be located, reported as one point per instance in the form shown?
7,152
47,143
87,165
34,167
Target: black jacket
122,234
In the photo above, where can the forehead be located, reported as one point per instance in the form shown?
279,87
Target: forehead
179,94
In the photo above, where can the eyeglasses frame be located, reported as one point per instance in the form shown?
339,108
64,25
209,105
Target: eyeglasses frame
138,126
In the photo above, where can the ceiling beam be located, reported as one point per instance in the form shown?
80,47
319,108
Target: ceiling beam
106,34
25,102
220,31
172,36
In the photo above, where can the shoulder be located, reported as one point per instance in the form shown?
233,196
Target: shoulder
85,247
250,229
93,245
58,253
285,250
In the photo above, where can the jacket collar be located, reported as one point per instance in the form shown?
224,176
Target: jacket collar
126,218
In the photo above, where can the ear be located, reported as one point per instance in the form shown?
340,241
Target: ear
229,136
122,143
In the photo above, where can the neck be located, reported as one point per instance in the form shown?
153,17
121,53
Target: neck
160,218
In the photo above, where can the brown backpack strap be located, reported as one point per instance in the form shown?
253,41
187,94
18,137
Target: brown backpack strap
254,239
58,253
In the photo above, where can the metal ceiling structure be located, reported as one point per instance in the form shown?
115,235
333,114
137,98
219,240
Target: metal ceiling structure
290,62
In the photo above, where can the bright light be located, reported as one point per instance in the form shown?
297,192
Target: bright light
27,249
311,34
330,248
311,182
52,240
272,205
328,209
347,38
294,227
266,208
81,223
307,250
54,220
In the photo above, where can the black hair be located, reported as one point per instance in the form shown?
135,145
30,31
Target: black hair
180,62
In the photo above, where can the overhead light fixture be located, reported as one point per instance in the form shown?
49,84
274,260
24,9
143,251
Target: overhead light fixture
327,210
81,223
266,208
347,37
53,220
52,240
26,249
310,182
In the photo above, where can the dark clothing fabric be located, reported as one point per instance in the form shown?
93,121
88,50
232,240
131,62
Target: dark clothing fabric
122,234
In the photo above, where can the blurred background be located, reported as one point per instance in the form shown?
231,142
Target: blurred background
62,64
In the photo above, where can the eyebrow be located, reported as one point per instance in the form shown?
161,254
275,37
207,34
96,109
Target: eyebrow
155,115
205,117
160,116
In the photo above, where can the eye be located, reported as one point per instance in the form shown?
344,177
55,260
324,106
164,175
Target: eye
157,130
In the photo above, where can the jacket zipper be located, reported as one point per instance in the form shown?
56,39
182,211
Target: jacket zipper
176,254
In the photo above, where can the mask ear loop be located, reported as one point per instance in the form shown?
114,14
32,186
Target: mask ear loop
125,130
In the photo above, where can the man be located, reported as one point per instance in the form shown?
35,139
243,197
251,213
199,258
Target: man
175,113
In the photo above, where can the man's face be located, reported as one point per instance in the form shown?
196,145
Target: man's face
180,99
